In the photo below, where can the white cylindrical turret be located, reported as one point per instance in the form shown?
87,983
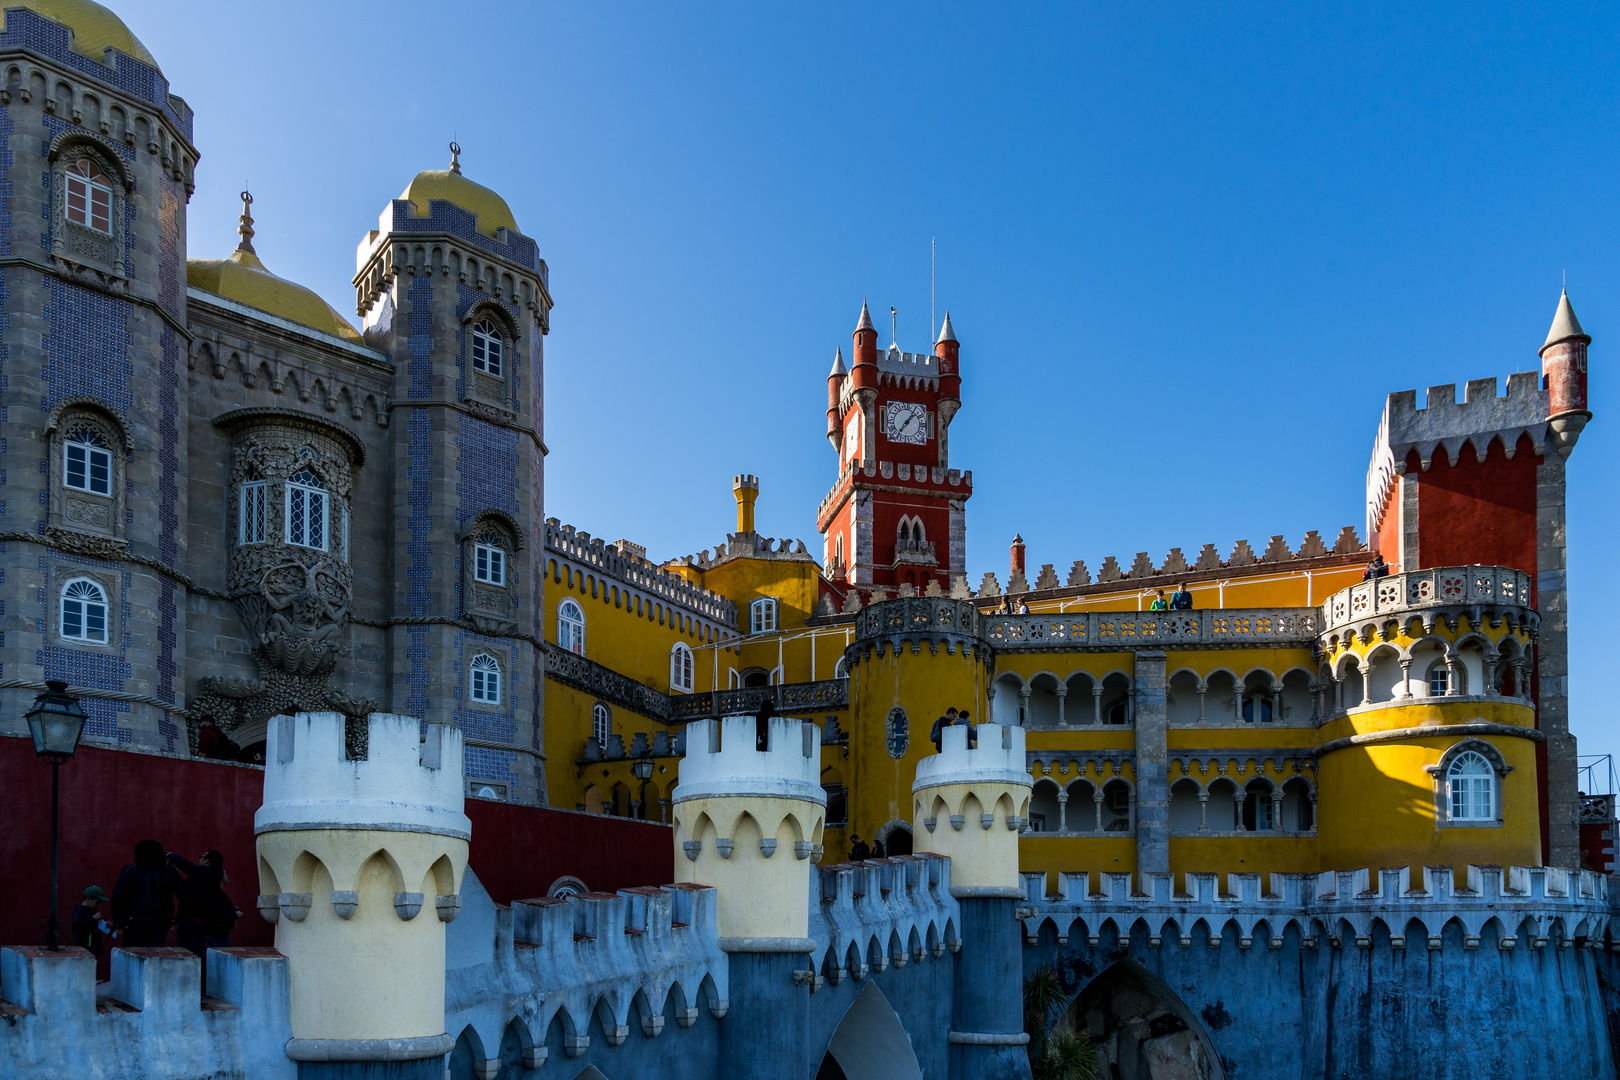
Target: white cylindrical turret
749,823
971,804
360,866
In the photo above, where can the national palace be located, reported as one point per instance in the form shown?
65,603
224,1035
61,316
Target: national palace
246,508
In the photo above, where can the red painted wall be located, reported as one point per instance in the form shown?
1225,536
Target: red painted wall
112,798
1479,511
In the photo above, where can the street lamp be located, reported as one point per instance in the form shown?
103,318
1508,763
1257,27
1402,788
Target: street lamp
56,721
643,768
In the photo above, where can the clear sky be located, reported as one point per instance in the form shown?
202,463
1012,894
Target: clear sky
1188,249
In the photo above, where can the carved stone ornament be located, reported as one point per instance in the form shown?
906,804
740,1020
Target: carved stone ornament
294,600
89,544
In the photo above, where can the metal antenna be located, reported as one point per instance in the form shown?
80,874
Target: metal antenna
933,279
894,336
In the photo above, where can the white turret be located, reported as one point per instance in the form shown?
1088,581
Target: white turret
749,822
971,804
351,851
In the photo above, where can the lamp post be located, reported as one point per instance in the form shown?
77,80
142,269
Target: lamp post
56,721
642,767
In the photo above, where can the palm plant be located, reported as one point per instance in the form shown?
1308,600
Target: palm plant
1065,1055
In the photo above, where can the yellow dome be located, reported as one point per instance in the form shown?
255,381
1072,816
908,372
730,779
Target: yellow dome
243,278
95,29
452,187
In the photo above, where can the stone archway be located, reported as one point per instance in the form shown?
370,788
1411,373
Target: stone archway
896,837
870,1043
1141,1028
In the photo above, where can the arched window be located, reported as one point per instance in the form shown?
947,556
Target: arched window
486,349
1257,706
489,560
89,197
898,733
486,680
1439,679
84,612
1472,784
762,615
571,627
86,462
680,668
306,510
252,516
601,725
841,669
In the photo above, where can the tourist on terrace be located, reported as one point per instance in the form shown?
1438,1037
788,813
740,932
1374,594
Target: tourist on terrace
973,732
207,915
1181,599
143,898
88,925
938,732
877,849
1376,569
1023,608
858,851
1159,602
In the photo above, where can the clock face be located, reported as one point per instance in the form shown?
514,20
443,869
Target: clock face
852,438
908,422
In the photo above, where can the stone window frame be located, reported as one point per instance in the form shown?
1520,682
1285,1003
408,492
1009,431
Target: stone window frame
81,246
500,680
1438,774
493,608
601,723
682,668
114,631
481,388
577,643
79,519
758,608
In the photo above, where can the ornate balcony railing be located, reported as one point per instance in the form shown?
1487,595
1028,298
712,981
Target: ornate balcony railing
1144,629
605,683
788,698
917,614
1488,589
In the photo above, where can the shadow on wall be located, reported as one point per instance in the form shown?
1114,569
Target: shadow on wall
1142,1030
870,1043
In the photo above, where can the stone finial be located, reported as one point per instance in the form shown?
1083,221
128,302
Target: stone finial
455,158
1016,583
1565,325
1242,555
1048,577
1143,566
1208,558
1078,574
877,596
838,369
1348,542
1175,563
1110,570
989,586
1276,551
946,331
245,229
907,590
1311,547
852,601
866,319
933,589
824,606
959,587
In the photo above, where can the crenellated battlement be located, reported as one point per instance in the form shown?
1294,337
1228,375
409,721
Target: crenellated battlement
1447,424
722,760
1542,904
996,758
749,545
608,560
410,777
869,915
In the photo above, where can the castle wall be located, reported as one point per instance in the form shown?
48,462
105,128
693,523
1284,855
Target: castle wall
1479,510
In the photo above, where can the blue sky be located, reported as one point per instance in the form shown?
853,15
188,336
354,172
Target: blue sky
1187,248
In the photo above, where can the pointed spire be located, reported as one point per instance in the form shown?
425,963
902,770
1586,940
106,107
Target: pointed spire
838,371
1564,324
866,319
245,229
455,158
946,331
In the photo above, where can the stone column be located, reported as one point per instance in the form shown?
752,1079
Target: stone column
1063,811
1152,765
1203,811
1406,677
1096,702
1062,692
1203,688
1097,798
1552,665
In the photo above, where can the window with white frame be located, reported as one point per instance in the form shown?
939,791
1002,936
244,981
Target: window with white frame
84,612
601,725
89,197
1472,788
762,615
252,516
306,510
1440,679
680,668
486,349
486,680
489,561
841,669
86,462
571,627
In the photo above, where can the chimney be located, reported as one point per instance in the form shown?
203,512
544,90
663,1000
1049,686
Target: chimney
746,488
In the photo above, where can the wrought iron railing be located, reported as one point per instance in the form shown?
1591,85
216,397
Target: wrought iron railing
1136,629
1492,587
787,697
605,683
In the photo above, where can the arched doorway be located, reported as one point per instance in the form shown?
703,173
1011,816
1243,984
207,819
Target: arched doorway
896,837
1141,1027
870,1043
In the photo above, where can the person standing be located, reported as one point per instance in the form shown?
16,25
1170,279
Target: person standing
1181,599
1376,569
938,732
89,928
143,897
202,898
1159,603
858,851
877,849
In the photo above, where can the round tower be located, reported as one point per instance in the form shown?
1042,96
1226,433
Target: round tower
948,350
749,812
969,802
746,489
362,845
1563,366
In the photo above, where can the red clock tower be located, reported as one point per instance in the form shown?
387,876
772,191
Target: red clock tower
896,515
